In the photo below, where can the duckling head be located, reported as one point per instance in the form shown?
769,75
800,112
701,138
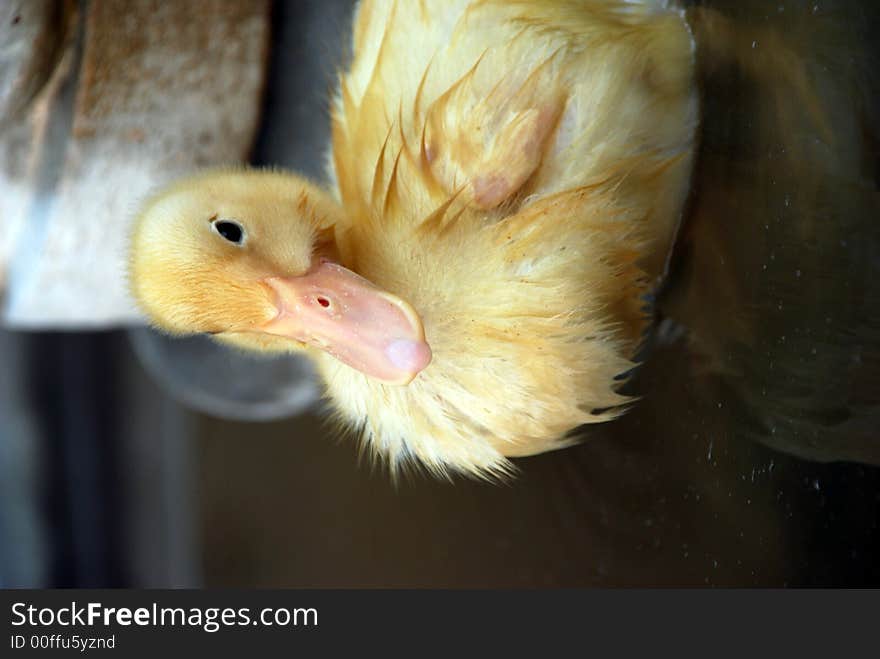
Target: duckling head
250,257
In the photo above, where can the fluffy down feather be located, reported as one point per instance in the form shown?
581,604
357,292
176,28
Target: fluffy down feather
514,171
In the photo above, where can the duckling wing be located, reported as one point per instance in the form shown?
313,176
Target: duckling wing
486,141
502,104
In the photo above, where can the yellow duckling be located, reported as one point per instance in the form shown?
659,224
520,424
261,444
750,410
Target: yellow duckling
506,182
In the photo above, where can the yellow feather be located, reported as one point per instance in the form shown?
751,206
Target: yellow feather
515,171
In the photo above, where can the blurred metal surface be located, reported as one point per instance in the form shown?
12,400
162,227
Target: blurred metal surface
97,478
158,466
24,530
224,382
120,97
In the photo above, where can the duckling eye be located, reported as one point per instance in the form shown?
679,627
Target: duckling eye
231,231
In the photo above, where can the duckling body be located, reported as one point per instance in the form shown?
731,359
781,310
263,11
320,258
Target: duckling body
506,179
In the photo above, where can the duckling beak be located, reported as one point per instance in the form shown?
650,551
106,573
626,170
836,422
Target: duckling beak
343,314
